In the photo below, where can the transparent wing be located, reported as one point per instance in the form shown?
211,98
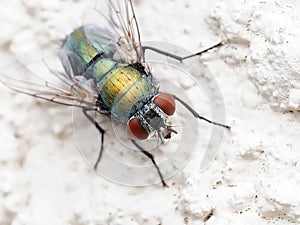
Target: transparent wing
113,28
124,23
69,86
49,85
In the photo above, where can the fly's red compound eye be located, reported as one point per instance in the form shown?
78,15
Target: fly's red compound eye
135,130
166,102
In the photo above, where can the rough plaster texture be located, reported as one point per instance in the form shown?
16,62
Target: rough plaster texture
255,179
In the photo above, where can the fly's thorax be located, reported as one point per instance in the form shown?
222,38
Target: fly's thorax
125,90
102,68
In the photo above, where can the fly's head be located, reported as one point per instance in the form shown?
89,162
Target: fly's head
153,118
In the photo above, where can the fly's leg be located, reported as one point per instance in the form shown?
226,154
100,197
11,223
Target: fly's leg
100,129
195,114
179,58
151,157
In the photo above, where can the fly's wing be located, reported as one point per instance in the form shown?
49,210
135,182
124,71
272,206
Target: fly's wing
83,47
49,85
71,87
123,20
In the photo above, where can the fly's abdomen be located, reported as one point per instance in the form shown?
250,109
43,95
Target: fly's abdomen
124,90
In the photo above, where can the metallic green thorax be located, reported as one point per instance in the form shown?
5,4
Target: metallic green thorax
88,52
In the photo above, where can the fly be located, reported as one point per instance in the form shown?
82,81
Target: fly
106,73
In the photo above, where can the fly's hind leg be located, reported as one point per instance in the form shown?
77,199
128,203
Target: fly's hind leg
179,58
100,129
151,157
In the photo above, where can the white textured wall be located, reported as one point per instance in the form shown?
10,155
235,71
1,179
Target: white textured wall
254,180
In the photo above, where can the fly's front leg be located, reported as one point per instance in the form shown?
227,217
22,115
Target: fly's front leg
197,115
151,157
102,132
179,58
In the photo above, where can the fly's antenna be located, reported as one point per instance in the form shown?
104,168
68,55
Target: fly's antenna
169,128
